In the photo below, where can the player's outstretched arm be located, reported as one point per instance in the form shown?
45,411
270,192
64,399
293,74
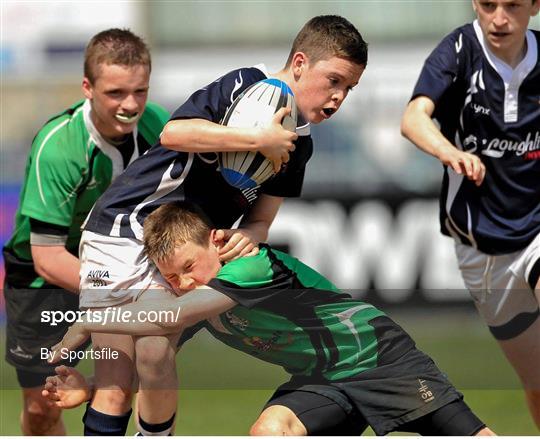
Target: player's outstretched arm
68,388
175,315
200,135
419,128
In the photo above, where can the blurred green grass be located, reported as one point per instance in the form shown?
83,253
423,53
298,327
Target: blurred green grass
222,390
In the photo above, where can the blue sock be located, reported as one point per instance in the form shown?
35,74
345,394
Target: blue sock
100,424
163,429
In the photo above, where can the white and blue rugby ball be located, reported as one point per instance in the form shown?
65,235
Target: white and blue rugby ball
255,107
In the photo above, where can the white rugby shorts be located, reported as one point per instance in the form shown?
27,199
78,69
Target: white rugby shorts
114,270
499,285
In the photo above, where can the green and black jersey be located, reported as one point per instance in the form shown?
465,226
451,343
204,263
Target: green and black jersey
289,314
70,165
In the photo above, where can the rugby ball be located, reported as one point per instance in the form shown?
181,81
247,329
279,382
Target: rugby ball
255,107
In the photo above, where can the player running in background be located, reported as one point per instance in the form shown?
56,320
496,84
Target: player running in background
327,59
73,159
482,84
351,365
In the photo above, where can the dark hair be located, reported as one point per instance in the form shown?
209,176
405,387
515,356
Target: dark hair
326,36
115,46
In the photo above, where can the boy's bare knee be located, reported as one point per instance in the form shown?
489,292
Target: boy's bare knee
155,359
278,421
152,351
115,401
268,427
38,416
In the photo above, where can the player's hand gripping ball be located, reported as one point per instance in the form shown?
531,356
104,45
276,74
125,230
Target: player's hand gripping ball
255,107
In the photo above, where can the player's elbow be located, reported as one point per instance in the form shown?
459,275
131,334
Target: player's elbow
44,267
169,135
407,123
174,136
46,262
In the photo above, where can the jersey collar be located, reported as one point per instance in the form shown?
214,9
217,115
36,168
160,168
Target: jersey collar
109,150
504,70
512,78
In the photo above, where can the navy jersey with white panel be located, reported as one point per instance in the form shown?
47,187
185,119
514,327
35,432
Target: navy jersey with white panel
486,108
163,175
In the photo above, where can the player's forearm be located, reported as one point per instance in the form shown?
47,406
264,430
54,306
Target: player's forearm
257,230
57,266
261,216
158,317
420,130
417,125
199,135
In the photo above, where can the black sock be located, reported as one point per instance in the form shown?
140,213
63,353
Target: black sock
163,429
100,424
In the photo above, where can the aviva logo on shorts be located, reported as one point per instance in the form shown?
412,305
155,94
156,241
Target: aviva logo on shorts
98,277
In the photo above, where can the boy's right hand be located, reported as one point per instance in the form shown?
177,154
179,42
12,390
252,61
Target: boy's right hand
67,389
464,163
275,141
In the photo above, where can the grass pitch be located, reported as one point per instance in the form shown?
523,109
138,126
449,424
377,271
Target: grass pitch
223,390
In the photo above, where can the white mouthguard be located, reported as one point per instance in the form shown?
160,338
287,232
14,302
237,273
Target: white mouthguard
127,119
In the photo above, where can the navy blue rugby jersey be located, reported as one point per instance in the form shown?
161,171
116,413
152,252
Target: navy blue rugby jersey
489,109
162,175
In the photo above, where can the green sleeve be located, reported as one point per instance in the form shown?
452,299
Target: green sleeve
249,271
53,179
154,119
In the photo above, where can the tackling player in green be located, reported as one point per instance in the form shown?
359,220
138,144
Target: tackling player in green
351,365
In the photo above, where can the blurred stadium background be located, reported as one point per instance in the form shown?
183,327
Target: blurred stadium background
368,217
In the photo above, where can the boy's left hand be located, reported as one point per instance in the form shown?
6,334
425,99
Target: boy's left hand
67,389
238,243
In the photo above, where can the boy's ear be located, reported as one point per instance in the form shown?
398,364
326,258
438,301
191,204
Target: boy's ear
87,88
217,237
300,62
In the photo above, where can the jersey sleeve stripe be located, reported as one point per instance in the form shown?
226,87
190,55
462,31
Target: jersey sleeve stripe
40,150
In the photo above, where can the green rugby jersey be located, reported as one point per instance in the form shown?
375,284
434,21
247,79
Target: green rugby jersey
69,166
290,315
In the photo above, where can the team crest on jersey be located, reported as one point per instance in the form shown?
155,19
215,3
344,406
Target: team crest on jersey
470,144
262,345
236,321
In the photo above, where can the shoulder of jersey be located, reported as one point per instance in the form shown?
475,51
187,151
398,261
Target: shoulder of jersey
154,110
245,76
65,128
249,269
